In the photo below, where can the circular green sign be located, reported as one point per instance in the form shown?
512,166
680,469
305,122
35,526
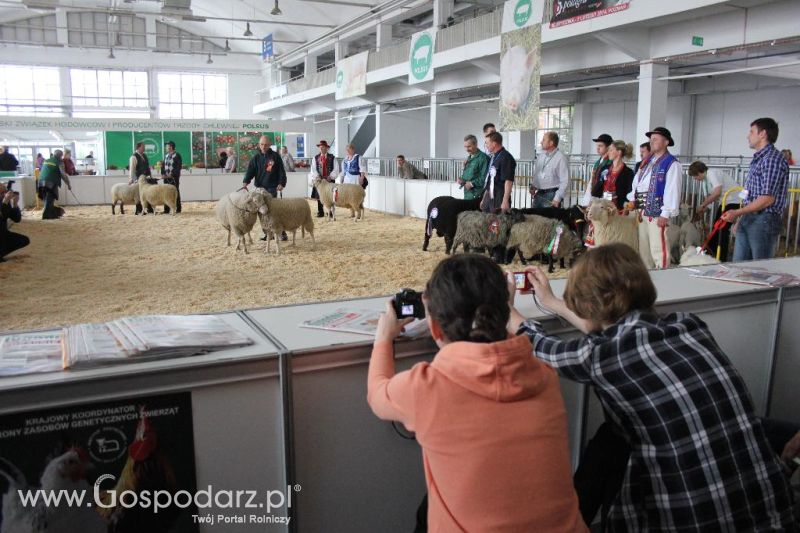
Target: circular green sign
339,79
522,12
421,57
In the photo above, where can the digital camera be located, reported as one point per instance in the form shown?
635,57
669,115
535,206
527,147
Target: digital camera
521,282
408,303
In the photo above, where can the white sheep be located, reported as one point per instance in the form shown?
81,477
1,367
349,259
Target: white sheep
342,194
610,227
695,257
285,214
690,236
238,212
124,194
153,195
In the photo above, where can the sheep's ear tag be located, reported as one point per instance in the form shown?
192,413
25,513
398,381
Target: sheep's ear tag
434,212
494,226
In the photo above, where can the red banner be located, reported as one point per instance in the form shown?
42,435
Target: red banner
572,11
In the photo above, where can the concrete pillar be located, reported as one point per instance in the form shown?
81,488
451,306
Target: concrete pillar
310,64
150,30
380,122
652,109
439,125
340,50
340,127
62,35
520,144
441,10
581,128
152,80
65,83
384,35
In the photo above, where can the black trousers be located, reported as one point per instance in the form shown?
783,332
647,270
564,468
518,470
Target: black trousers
722,237
12,242
177,183
315,194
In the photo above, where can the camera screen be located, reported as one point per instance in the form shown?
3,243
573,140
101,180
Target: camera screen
407,310
519,280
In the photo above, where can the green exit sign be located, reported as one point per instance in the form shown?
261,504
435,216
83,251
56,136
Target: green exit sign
697,40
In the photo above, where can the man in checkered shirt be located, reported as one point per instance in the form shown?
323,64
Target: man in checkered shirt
763,198
699,458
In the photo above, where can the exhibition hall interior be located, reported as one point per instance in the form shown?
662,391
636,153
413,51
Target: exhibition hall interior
390,266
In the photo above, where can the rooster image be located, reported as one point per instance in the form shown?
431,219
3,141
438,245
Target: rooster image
146,469
67,472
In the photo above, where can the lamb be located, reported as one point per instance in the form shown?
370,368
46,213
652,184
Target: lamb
536,234
484,230
342,194
694,257
124,193
286,214
610,227
152,195
442,217
690,235
238,212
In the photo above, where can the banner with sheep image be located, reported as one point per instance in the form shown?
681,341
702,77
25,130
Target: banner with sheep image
351,76
520,63
420,56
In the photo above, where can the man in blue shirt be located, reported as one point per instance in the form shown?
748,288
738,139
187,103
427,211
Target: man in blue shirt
764,196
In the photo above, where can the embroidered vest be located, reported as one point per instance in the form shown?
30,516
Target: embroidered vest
328,165
658,182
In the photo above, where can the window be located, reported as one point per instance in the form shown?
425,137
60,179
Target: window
30,91
109,88
559,120
192,95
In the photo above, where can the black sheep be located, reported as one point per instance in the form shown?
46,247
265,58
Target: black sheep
444,220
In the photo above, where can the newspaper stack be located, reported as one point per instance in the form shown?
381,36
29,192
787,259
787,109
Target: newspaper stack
30,352
746,274
147,337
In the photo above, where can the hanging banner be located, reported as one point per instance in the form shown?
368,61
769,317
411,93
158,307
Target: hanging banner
113,455
420,57
518,14
572,11
351,76
267,48
520,63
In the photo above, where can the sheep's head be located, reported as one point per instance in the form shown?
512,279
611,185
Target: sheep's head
601,211
257,201
515,215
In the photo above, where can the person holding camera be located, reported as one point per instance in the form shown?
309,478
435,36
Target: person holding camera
489,417
49,182
9,210
699,457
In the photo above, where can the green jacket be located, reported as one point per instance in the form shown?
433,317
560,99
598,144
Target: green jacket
475,173
51,173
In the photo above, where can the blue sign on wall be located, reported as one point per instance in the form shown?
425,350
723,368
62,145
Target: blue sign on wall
266,47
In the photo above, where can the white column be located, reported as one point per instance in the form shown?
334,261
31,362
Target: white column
150,30
380,122
384,35
581,127
340,133
65,83
441,10
62,35
310,64
439,126
152,79
339,50
520,144
652,109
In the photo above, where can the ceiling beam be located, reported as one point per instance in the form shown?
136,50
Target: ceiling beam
339,2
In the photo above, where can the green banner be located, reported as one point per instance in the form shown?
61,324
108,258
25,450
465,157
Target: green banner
119,148
153,145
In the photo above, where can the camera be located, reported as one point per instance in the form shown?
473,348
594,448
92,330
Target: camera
408,303
521,282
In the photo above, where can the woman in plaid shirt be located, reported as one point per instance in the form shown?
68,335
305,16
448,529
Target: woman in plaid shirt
699,458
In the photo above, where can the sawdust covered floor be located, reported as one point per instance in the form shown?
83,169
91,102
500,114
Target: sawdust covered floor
91,266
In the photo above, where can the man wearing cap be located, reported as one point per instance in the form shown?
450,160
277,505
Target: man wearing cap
267,169
171,172
49,182
656,195
550,174
602,142
325,168
764,198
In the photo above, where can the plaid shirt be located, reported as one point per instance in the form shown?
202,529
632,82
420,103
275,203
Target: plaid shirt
699,458
768,176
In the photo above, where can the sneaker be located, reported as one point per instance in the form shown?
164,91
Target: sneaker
284,237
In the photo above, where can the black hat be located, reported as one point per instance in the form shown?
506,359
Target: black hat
170,143
605,138
664,132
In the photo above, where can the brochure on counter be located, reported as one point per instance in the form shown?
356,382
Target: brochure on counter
360,321
745,274
129,339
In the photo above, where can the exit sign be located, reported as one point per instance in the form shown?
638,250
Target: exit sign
697,40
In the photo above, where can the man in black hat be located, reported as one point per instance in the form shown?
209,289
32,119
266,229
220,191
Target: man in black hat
171,172
601,143
325,168
656,194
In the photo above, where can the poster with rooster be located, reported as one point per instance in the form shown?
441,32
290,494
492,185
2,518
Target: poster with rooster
129,449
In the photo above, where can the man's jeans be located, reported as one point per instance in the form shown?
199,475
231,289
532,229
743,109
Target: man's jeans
544,199
757,236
